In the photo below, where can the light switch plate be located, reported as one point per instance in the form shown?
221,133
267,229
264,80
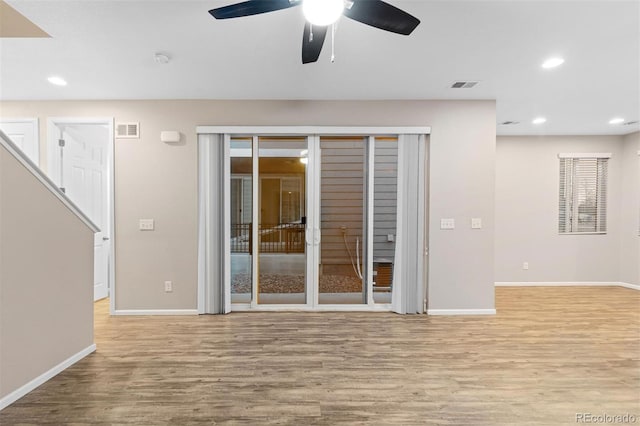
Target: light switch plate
447,223
476,223
146,225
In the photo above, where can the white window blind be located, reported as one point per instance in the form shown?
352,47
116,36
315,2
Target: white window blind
583,195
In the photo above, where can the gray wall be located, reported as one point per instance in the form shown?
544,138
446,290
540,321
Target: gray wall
527,185
46,278
156,180
462,149
630,241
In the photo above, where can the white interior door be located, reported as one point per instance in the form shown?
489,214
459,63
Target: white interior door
24,133
81,167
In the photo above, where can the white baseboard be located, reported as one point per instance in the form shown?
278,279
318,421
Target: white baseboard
25,389
155,312
567,284
461,311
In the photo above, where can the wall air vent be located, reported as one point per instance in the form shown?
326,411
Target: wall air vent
630,123
509,123
463,84
127,130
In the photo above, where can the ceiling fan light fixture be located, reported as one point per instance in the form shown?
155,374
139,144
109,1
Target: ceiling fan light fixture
322,12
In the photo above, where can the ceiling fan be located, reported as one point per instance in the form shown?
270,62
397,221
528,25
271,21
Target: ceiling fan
322,13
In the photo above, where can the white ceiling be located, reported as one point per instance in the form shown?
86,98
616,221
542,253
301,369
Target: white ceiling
105,50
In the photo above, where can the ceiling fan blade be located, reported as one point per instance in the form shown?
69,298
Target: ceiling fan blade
311,48
251,7
382,15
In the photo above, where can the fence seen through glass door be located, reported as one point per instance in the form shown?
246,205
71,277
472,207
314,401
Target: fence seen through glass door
241,205
282,277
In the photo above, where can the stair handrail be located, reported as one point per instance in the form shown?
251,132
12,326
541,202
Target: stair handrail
19,155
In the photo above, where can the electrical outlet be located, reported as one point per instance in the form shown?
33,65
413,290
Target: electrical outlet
476,223
168,286
447,223
343,229
525,266
146,225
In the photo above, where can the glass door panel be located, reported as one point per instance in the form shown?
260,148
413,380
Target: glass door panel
385,207
342,220
241,205
282,220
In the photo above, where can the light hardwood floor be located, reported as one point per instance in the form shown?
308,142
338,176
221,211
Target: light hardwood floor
549,353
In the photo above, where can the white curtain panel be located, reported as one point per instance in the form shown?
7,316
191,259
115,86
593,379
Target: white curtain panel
408,271
211,293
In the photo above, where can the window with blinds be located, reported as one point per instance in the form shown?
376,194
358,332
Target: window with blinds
583,195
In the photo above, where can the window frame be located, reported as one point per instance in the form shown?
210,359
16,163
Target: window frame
601,203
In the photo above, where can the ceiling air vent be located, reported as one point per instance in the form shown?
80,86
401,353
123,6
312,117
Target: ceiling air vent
630,123
463,84
509,123
127,130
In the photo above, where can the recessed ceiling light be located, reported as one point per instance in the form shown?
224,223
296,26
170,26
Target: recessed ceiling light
58,81
539,120
552,63
161,58
616,120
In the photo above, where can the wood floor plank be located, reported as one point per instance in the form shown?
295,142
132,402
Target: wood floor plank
548,354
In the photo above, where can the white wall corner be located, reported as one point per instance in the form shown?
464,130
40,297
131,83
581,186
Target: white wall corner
631,286
33,384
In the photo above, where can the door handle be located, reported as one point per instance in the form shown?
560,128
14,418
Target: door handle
105,238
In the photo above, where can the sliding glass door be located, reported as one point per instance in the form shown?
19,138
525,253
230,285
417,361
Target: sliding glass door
281,248
268,205
343,197
311,220
241,213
